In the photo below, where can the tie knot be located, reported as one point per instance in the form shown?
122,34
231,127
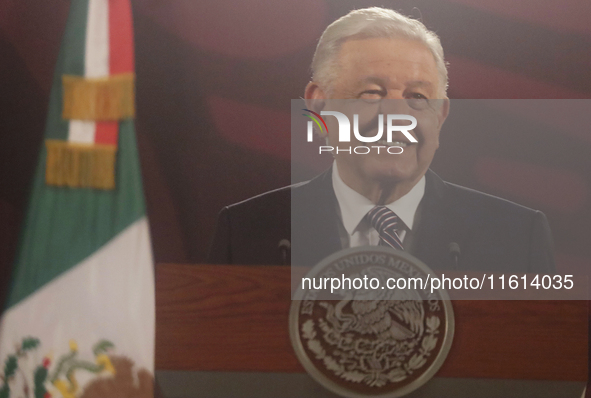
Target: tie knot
382,218
385,222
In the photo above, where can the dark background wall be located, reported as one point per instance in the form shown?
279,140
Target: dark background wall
214,83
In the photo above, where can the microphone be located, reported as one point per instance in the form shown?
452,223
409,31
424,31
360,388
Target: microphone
285,251
454,253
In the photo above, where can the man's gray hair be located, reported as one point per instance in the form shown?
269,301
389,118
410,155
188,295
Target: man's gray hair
370,23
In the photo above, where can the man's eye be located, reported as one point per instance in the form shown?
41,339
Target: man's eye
417,101
417,96
372,95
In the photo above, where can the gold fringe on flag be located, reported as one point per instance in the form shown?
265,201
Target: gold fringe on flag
80,165
109,98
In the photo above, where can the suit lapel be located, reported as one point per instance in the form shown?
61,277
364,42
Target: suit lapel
437,226
314,224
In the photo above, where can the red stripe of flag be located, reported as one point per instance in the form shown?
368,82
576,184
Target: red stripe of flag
121,56
121,59
106,133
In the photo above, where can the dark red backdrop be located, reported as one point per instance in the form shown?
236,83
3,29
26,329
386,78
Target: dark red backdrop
214,83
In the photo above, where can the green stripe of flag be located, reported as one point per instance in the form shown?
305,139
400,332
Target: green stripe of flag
70,61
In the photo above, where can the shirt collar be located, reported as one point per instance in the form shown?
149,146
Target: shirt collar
355,206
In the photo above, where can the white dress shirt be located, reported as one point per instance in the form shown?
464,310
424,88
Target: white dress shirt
354,206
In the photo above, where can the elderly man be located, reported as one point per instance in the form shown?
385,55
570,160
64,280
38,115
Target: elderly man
377,55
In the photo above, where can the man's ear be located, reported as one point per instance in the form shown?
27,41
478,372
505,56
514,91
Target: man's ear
444,111
314,96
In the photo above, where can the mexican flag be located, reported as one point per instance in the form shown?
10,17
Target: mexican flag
79,318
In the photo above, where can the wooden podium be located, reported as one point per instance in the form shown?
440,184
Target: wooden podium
222,331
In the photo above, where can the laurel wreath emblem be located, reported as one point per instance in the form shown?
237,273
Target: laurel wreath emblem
370,362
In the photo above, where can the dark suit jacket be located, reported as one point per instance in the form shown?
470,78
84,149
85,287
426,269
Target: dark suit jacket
494,235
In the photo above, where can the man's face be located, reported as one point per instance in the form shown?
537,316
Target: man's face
388,76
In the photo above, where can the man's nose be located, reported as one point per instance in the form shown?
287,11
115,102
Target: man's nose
394,104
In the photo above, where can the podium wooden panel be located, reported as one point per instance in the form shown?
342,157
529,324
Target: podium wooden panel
235,319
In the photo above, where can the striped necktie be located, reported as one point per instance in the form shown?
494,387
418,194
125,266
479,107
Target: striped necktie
385,222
